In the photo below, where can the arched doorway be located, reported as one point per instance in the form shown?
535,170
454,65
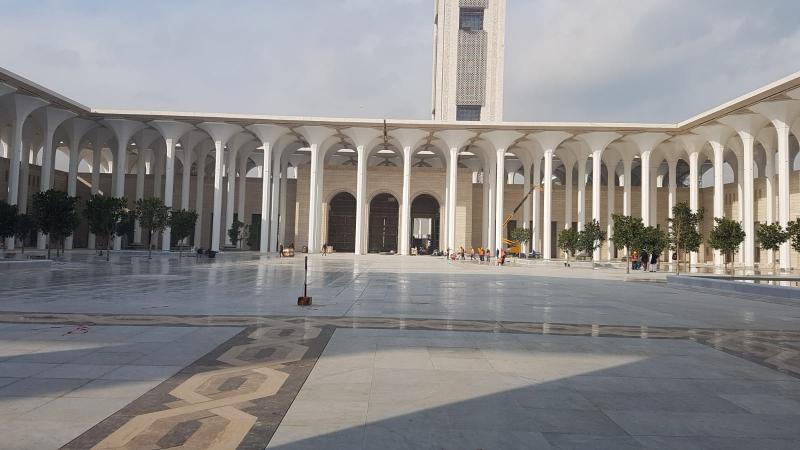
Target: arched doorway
384,215
342,222
425,224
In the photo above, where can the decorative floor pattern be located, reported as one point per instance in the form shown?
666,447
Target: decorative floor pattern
236,396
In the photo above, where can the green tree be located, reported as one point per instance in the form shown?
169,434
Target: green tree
626,231
726,236
8,219
521,236
23,227
104,215
793,230
181,224
56,214
126,224
153,216
235,232
591,238
771,236
652,240
254,236
568,241
685,234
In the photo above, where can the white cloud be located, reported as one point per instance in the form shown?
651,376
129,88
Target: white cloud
642,60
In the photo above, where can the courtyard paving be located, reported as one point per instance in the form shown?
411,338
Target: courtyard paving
396,352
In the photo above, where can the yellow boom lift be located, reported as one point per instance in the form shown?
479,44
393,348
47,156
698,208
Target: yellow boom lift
514,246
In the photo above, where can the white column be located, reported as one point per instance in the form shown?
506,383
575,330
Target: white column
500,232
22,107
673,190
24,178
361,198
769,173
784,171
719,192
231,190
266,199
405,205
627,209
315,136
201,181
408,139
186,177
646,188
596,186
283,212
694,191
526,208
547,218
568,197
740,201
216,223
581,193
169,184
536,228
453,182
654,196
242,189
268,135
313,208
158,173
611,194
140,173
96,155
492,206
276,219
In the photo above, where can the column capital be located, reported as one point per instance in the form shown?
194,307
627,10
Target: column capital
598,141
268,134
220,131
550,140
646,142
455,138
171,129
408,137
746,125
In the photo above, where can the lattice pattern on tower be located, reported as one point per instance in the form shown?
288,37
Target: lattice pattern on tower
473,3
472,53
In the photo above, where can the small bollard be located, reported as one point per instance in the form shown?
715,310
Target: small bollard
305,300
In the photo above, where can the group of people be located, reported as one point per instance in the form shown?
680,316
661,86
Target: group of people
481,255
644,262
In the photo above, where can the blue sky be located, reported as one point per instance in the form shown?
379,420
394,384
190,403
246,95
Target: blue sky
592,60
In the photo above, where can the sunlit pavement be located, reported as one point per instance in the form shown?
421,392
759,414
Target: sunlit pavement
398,352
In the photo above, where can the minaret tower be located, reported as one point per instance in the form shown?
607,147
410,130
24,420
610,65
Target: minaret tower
469,44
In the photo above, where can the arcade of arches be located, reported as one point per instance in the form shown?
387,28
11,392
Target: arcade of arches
362,187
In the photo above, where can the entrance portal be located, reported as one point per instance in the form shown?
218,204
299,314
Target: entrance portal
342,223
425,224
384,215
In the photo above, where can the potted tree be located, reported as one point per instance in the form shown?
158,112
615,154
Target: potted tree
591,238
726,236
520,236
181,224
23,227
770,237
684,231
568,242
55,214
626,231
153,216
8,219
104,215
235,232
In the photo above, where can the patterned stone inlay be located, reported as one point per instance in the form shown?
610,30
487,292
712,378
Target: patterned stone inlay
236,396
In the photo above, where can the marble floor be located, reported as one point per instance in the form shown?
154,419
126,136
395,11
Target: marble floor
397,352
378,286
400,389
58,380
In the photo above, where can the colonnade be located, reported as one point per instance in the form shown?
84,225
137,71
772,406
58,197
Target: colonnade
763,122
